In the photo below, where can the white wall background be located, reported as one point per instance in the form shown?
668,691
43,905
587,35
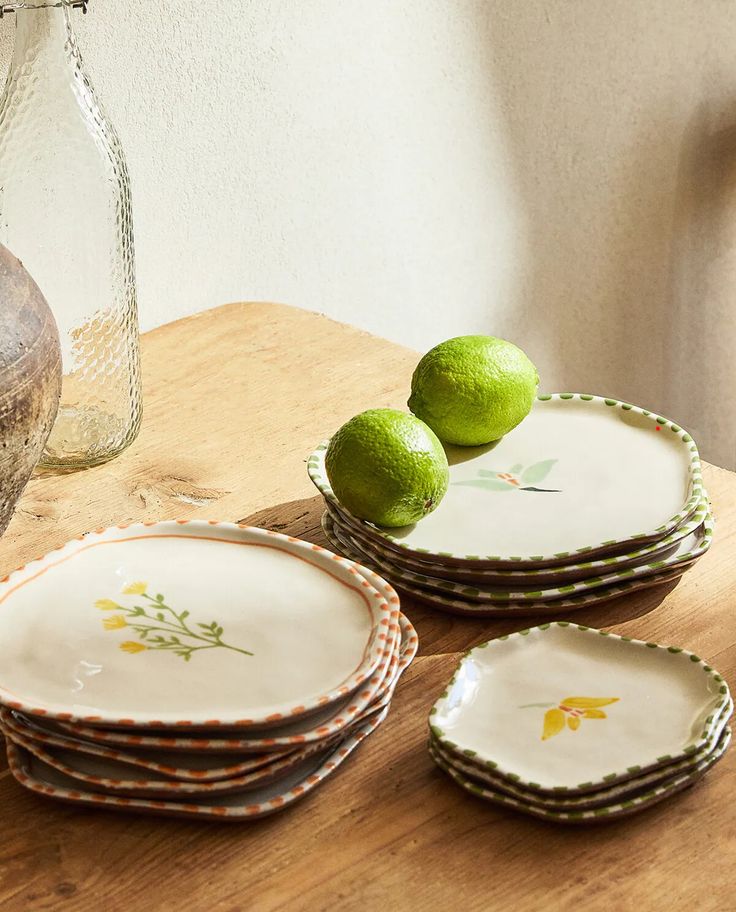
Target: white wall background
558,172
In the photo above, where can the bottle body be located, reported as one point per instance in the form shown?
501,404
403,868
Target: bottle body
65,213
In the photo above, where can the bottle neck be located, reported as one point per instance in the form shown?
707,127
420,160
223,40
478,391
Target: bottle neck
42,33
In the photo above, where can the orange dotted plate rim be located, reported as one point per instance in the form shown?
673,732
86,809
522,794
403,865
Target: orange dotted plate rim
379,605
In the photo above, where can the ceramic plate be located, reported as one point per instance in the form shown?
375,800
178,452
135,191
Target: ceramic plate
565,707
187,623
296,735
623,808
605,796
549,576
456,605
580,475
188,767
111,776
37,776
688,550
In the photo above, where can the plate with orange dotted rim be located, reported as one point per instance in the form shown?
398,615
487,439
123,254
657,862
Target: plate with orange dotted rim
580,476
186,767
297,733
38,777
325,729
188,625
113,775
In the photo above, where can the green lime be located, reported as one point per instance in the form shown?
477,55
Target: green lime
387,467
473,389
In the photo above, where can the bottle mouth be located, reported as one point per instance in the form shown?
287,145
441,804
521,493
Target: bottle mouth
42,4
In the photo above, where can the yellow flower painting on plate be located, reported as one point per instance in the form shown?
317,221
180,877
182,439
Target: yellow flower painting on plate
160,627
570,712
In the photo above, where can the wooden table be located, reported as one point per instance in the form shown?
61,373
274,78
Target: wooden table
236,398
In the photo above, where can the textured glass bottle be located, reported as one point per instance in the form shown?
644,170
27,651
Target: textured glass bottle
65,213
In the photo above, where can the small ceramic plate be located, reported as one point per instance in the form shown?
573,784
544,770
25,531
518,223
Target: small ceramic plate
37,776
688,550
601,798
296,735
549,576
580,475
568,708
456,605
191,624
622,808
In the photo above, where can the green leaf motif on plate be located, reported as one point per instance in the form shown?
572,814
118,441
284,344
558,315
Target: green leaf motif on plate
516,478
537,472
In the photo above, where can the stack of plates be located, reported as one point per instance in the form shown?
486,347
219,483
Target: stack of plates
586,500
576,725
193,668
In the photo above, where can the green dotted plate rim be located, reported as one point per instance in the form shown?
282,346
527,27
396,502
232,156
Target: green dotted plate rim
484,609
315,468
719,692
480,594
407,562
638,779
612,811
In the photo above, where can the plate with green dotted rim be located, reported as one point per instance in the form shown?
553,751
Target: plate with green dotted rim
564,708
537,578
605,796
688,550
456,605
622,808
579,476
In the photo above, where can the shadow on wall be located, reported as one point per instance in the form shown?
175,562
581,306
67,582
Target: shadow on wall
627,182
703,275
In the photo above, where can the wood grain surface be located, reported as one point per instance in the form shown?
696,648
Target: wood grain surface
235,399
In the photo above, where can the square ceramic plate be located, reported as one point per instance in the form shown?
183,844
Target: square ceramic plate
685,552
580,475
565,708
37,776
602,797
457,605
191,624
549,576
623,808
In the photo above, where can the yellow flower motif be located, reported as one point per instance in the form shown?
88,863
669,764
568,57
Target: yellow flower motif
132,647
554,722
135,589
116,622
570,711
107,605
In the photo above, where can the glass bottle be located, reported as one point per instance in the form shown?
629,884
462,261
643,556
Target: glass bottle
65,213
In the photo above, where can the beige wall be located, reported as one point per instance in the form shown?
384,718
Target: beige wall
560,172
621,123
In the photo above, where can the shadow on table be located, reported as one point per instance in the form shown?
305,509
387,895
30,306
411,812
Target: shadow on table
441,632
300,518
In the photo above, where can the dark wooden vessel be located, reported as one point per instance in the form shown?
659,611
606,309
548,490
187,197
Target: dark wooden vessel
30,379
